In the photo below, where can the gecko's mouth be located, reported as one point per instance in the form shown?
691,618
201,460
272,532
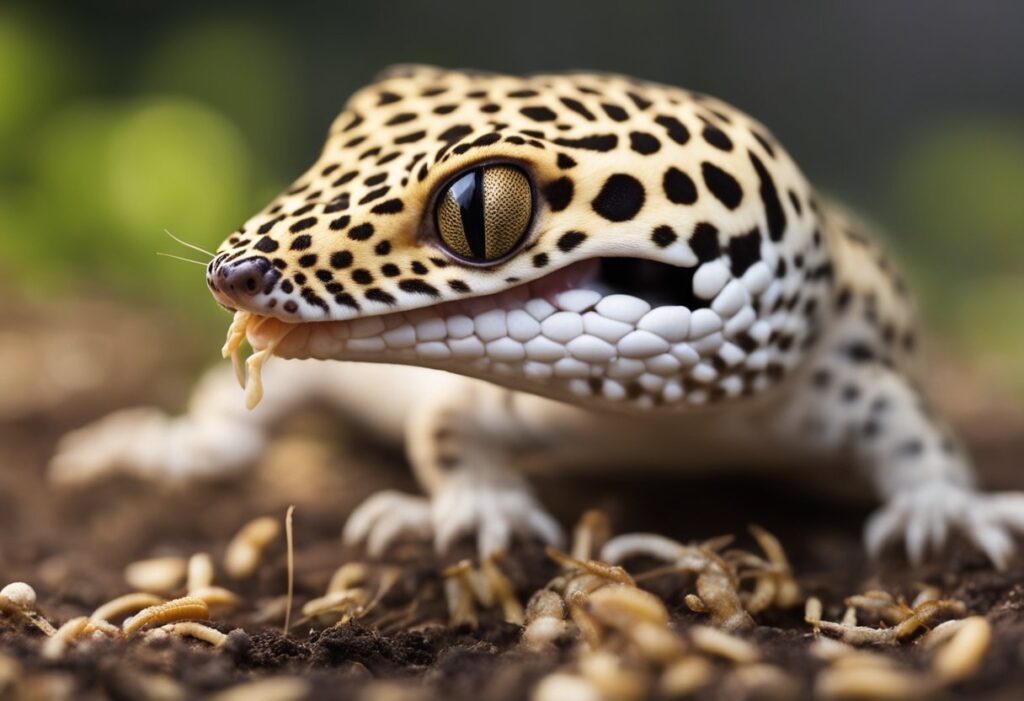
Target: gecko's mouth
594,319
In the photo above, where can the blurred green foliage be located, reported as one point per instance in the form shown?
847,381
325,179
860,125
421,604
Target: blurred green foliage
104,147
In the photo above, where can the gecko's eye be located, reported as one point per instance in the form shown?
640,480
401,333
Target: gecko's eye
484,213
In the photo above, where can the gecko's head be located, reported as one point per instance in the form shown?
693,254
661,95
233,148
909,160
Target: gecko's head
577,235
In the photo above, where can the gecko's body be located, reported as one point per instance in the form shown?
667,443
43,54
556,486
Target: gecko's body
639,275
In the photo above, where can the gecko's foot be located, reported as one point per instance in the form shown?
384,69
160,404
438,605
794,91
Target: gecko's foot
494,512
104,447
924,517
384,518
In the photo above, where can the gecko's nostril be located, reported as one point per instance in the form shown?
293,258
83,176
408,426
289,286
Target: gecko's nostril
246,277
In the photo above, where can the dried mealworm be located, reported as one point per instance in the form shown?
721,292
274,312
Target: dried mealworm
348,575
561,686
716,642
216,596
879,683
960,658
198,631
54,646
503,591
128,603
200,572
607,672
158,575
185,608
458,590
243,553
272,689
685,676
590,534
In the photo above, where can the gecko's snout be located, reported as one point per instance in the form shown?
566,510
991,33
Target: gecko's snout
235,281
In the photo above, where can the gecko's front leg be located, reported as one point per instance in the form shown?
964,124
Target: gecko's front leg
461,446
855,400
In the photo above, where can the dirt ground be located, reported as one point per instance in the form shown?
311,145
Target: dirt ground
72,547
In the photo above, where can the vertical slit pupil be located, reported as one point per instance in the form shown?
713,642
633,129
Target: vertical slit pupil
468,192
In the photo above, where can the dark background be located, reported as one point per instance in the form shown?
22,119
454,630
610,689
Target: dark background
120,119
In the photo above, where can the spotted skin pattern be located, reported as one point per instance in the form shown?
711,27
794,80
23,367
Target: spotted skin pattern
774,332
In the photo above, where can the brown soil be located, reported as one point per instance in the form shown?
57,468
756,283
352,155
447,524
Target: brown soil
72,547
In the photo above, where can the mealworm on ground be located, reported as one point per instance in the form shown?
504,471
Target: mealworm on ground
716,642
243,553
157,575
962,655
200,572
175,610
198,631
128,603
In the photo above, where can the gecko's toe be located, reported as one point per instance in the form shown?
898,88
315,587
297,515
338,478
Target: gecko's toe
925,517
495,514
384,518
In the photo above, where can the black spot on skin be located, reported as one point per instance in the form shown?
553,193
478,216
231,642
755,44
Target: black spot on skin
523,93
620,199
640,102
453,134
643,143
341,260
487,139
722,185
339,205
565,162
386,98
418,287
598,142
345,179
392,206
418,268
539,114
267,226
400,118
577,107
445,109
794,200
378,295
306,207
313,298
301,243
411,137
356,121
362,276
744,251
302,225
540,260
266,245
490,108
664,236
558,193
375,179
679,188
290,306
859,352
458,286
704,242
382,248
677,131
354,141
324,276
340,223
375,194
308,260
287,287
347,300
717,138
821,378
570,240
765,143
851,393
361,232
770,197
389,270
615,112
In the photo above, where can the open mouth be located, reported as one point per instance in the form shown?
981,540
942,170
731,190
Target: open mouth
622,328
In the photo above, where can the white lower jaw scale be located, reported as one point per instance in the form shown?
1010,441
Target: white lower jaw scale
577,344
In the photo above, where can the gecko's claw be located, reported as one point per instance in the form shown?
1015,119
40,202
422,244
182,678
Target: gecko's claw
924,517
495,513
384,518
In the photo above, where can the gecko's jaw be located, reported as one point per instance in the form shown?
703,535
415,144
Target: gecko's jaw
618,330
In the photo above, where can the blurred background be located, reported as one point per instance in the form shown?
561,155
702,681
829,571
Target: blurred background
121,119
